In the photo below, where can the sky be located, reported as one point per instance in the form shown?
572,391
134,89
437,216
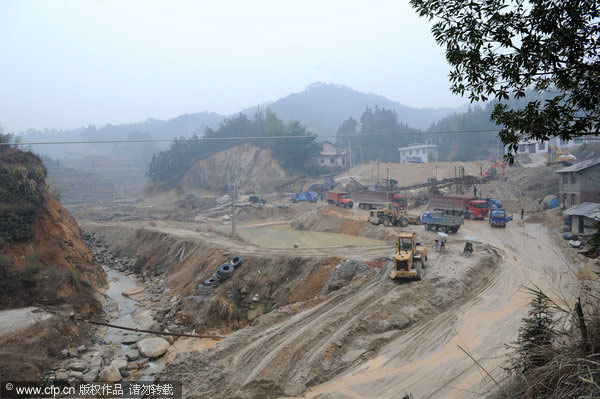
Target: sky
71,63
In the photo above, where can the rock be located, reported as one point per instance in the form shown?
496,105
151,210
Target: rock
91,375
62,376
119,363
73,352
108,352
256,298
153,347
170,339
132,354
174,299
78,366
125,373
133,365
129,339
64,353
96,360
110,374
252,314
143,362
81,349
78,375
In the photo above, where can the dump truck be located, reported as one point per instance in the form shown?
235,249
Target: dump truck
494,203
438,220
392,216
371,199
410,258
339,199
467,207
308,196
499,218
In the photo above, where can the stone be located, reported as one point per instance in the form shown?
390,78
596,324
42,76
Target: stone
143,362
129,339
170,339
108,352
119,363
64,353
153,347
252,314
62,376
256,298
132,354
81,349
125,373
78,375
110,374
133,365
96,360
79,366
73,352
91,375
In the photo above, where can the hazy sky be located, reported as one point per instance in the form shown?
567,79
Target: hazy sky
71,63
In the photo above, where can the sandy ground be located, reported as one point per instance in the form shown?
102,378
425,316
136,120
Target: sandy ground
14,320
427,360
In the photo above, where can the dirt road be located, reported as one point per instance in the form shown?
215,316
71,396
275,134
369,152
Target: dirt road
14,320
427,361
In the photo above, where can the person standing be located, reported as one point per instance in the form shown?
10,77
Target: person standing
522,213
474,190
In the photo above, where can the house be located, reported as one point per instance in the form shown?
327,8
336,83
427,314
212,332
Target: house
579,183
583,218
533,147
419,153
332,156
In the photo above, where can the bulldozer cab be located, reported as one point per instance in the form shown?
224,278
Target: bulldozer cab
410,258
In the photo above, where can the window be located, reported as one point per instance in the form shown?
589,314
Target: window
409,152
332,160
565,199
573,178
541,146
565,178
322,160
572,199
343,161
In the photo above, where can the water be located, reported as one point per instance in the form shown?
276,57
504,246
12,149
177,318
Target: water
285,237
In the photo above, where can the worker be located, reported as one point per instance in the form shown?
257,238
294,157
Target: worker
474,190
522,212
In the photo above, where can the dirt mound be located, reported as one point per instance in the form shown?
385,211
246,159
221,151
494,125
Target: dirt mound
329,221
258,170
303,344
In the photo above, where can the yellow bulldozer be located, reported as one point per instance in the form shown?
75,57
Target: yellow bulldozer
410,258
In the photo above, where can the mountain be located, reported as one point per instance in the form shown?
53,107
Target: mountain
322,107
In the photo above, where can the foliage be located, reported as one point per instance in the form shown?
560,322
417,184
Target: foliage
295,155
22,192
501,48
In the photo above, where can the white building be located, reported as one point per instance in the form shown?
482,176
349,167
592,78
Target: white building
534,147
419,153
332,156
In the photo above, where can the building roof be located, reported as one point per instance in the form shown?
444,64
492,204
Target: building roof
417,145
580,166
588,209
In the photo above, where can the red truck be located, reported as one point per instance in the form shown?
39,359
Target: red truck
468,207
339,199
370,199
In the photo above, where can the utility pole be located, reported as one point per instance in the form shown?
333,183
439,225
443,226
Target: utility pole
233,232
350,153
378,173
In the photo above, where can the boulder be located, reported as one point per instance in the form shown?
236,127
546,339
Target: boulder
96,360
110,374
129,339
64,353
73,352
108,352
79,366
91,375
62,376
78,375
153,347
81,349
119,363
132,354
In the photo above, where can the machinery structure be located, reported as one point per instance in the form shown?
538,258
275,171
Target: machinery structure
390,215
410,258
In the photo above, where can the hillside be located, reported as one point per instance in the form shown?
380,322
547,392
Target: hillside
322,107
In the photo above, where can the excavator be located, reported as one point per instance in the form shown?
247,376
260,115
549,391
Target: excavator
493,171
556,156
410,258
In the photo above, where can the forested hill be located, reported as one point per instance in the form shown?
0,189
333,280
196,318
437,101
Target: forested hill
322,107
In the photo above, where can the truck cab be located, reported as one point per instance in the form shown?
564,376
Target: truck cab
478,209
499,218
409,259
494,203
400,201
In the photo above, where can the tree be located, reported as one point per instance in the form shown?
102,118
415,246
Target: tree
502,48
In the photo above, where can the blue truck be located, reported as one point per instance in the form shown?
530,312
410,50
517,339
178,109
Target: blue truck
494,203
499,218
308,196
438,220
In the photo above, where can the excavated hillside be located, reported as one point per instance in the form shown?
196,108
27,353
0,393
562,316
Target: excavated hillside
258,170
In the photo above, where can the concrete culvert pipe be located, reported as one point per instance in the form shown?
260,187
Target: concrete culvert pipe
225,270
237,261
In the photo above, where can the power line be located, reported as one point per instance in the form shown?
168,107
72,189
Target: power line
250,138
